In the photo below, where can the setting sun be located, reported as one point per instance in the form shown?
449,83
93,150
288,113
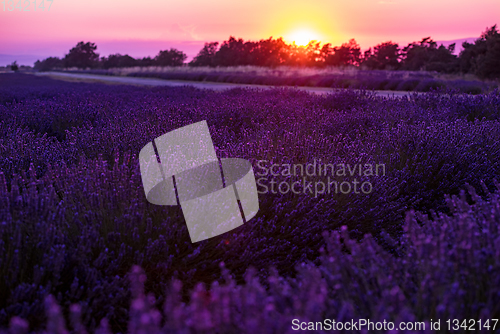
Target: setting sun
302,37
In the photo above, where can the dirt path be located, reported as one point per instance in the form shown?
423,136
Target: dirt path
177,83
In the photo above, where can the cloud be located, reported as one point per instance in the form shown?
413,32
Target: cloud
190,30
181,31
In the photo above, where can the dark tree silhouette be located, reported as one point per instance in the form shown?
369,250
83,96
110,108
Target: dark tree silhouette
172,57
276,50
117,60
206,55
49,64
384,56
310,55
146,61
313,53
14,67
483,56
347,54
233,52
325,52
269,52
426,55
83,55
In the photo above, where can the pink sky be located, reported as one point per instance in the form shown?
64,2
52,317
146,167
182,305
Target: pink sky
142,28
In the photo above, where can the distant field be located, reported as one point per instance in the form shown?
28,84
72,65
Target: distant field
313,77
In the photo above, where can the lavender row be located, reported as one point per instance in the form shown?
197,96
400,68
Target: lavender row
445,267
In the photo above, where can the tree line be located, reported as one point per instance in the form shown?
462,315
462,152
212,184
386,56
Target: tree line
84,55
481,57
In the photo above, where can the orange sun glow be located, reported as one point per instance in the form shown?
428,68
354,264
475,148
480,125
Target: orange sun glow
302,37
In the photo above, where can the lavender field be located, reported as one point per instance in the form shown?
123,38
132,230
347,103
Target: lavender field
82,250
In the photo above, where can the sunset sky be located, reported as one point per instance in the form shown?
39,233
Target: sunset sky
142,28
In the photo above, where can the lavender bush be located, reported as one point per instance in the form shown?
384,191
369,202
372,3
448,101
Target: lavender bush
74,219
445,267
